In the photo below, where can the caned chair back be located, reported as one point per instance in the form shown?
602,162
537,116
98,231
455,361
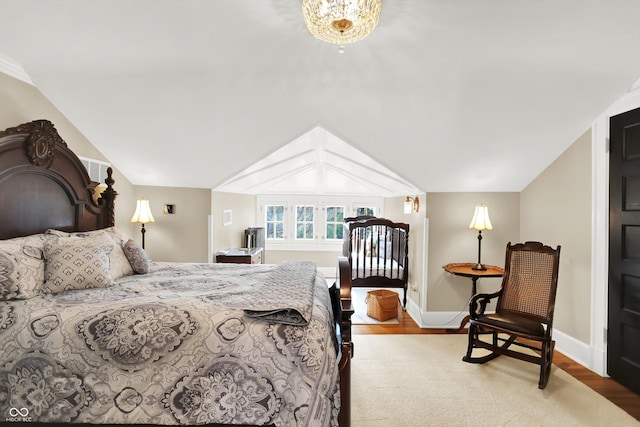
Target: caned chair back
530,281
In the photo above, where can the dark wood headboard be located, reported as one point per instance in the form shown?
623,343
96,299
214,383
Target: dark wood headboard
44,185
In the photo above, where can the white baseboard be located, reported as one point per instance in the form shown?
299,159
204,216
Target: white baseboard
434,319
577,351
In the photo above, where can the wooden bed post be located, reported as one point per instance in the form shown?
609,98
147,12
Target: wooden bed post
343,284
107,200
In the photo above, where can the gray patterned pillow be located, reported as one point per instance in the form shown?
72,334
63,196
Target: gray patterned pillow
120,266
137,257
8,276
76,266
21,267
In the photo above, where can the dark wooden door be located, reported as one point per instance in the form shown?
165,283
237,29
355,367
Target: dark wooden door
624,250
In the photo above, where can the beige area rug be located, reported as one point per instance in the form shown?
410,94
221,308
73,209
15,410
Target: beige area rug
421,380
358,299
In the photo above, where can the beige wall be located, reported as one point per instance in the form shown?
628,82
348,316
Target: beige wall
179,237
451,240
556,210
243,214
394,210
21,103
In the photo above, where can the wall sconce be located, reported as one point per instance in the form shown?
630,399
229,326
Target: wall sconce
142,215
480,221
97,192
411,204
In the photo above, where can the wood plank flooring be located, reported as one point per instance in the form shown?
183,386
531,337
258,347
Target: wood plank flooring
613,391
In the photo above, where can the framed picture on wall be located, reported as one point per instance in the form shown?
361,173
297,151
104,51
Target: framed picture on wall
227,218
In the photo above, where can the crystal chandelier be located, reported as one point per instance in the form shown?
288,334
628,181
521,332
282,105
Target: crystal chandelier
341,21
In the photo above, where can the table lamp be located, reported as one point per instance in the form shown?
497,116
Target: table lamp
480,221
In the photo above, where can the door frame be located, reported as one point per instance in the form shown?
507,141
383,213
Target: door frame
600,226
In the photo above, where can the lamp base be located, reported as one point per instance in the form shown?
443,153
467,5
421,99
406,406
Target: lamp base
479,267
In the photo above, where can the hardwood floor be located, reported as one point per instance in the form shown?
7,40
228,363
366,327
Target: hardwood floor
616,393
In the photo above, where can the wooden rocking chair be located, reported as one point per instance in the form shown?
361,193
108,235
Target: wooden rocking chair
524,309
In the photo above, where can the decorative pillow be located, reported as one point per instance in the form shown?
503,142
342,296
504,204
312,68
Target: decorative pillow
137,257
8,276
76,266
21,267
120,266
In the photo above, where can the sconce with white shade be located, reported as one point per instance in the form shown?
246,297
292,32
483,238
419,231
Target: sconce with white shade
480,221
97,192
411,204
142,215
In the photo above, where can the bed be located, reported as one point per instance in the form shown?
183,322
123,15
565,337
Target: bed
377,250
93,332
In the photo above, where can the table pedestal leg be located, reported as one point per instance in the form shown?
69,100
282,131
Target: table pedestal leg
474,286
474,290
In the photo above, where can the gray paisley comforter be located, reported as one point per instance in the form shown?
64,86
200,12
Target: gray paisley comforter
184,344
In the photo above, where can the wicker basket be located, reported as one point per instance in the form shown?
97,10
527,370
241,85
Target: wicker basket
382,304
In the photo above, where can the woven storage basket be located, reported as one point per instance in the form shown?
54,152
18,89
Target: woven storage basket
382,304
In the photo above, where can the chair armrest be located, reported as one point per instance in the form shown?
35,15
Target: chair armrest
478,303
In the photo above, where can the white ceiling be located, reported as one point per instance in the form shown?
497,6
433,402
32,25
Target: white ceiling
463,95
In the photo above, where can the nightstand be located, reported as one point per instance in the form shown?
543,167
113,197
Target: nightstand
240,256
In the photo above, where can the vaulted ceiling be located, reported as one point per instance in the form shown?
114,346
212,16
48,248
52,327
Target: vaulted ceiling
318,162
461,95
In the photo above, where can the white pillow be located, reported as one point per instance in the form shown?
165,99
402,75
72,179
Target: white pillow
73,265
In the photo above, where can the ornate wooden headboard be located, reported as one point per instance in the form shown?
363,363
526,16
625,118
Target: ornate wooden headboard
44,185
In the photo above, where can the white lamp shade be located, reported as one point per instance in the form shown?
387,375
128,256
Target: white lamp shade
143,212
411,204
407,206
480,220
97,192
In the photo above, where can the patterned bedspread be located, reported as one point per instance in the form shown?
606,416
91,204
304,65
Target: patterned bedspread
176,346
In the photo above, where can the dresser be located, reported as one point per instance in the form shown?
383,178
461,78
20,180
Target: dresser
240,255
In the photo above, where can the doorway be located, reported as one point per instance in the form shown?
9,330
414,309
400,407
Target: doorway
623,352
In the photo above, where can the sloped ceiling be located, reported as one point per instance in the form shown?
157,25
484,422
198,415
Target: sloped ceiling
452,95
321,163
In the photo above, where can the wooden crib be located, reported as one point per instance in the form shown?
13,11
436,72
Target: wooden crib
377,249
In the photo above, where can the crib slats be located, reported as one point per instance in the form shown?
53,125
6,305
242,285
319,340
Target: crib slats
378,252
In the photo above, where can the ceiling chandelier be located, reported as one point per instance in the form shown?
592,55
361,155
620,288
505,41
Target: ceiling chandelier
341,21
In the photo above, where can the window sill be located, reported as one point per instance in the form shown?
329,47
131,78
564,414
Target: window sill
308,247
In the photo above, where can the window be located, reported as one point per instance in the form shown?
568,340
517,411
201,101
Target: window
96,169
304,222
310,222
365,210
274,222
334,219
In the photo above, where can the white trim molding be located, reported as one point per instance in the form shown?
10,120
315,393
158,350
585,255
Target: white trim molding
11,68
435,319
577,350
